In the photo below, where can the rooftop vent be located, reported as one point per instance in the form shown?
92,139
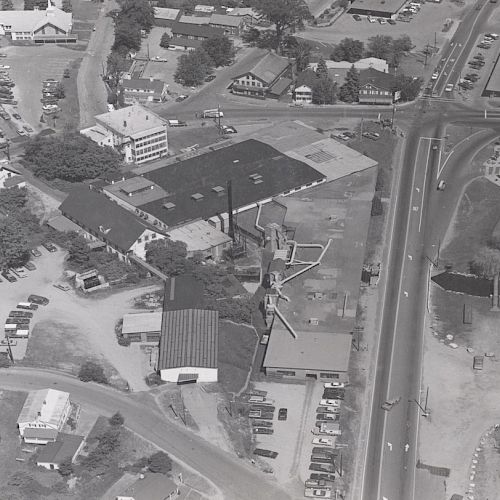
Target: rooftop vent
197,196
169,205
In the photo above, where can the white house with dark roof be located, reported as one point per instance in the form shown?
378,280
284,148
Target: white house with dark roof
43,415
249,15
10,177
143,90
138,133
232,25
270,77
52,25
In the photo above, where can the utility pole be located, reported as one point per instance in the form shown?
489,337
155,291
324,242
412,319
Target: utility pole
8,149
218,116
393,115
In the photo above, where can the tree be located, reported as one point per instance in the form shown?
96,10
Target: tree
116,64
72,157
29,4
14,246
300,50
160,462
283,14
139,12
321,69
66,6
192,68
349,91
116,420
400,46
268,40
220,49
165,41
251,36
78,251
92,372
127,36
486,262
324,91
348,49
13,199
66,467
408,86
380,46
7,5
167,255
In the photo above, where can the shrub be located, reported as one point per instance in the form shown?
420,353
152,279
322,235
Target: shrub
116,420
124,341
377,206
92,372
160,462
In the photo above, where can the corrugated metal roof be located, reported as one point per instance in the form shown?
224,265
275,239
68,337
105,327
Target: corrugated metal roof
46,405
189,338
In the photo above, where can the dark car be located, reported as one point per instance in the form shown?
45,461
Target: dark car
322,459
30,266
325,450
263,430
35,252
38,299
322,477
20,314
66,73
181,98
265,453
17,321
356,17
391,21
473,77
282,414
261,423
17,116
9,276
49,246
322,467
209,78
228,129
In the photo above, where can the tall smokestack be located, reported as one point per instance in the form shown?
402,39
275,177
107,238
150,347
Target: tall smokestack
230,231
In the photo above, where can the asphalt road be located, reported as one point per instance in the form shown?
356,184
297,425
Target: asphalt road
236,479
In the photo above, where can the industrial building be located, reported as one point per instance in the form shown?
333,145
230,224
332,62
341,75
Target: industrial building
376,8
142,327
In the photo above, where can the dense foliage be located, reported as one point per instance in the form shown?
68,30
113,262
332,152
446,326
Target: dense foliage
92,372
348,49
160,462
72,157
349,90
220,49
193,67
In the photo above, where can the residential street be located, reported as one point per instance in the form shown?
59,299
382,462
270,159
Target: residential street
236,479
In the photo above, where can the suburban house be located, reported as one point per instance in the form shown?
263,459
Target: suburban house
249,16
43,415
190,36
270,77
138,133
165,17
188,347
232,25
52,25
65,448
303,95
151,487
102,220
376,87
143,90
10,177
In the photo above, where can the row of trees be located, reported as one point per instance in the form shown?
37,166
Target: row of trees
72,157
379,46
171,258
193,67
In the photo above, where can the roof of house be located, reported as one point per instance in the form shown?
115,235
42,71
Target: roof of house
257,170
376,78
280,86
365,63
131,121
164,13
243,11
40,433
152,487
32,20
199,236
225,20
97,133
142,322
188,29
63,224
46,405
113,223
316,351
14,181
183,292
303,88
198,20
64,448
386,6
150,84
268,68
129,190
203,8
189,338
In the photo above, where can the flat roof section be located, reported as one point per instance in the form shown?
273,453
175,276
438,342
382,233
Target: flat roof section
142,322
135,191
376,6
199,236
316,351
492,88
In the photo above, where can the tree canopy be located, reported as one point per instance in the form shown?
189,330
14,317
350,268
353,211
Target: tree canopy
92,372
300,50
321,69
408,86
167,255
486,262
349,90
220,49
160,462
348,49
192,68
72,157
283,14
324,91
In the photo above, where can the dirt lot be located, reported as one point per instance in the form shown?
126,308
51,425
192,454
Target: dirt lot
72,327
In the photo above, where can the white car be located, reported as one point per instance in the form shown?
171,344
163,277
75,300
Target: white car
329,402
20,272
323,441
4,66
370,19
449,88
435,76
493,36
334,385
49,107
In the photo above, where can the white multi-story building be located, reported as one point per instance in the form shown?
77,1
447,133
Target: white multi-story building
138,133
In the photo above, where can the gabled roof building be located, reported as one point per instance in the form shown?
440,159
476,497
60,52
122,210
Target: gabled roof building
65,448
143,90
376,87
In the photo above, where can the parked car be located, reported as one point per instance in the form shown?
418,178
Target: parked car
27,305
263,430
441,186
473,77
209,78
323,441
229,129
264,340
381,20
265,453
435,75
356,17
181,98
18,321
478,362
322,467
4,66
325,450
66,73
38,299
20,272
370,19
20,314
282,414
35,252
323,477
391,21
449,88
62,286
17,116
9,276
493,36
28,129
329,402
334,385
3,55
262,423
21,132
49,246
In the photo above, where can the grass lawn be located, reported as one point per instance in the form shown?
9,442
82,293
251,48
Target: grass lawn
236,347
84,10
69,116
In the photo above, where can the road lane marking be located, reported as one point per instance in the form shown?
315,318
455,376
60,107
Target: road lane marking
397,313
423,188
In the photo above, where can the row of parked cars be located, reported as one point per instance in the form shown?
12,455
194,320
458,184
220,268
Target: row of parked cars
370,19
477,62
50,96
324,454
17,325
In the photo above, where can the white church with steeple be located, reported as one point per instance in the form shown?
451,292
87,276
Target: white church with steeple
52,25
